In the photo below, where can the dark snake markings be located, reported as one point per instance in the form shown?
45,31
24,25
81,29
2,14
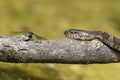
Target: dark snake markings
105,37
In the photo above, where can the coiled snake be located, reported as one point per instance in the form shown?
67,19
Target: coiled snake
105,37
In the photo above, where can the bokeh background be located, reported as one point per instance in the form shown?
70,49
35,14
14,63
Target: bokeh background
50,18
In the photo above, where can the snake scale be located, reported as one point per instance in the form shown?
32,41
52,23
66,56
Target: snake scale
105,37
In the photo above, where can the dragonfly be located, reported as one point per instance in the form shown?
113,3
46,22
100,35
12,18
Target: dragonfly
29,34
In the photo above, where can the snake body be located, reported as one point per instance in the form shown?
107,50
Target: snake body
106,38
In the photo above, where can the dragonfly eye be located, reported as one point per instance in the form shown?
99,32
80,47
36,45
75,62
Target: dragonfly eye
29,34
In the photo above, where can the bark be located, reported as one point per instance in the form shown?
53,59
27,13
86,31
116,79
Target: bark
16,49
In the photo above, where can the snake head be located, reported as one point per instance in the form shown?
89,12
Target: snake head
79,34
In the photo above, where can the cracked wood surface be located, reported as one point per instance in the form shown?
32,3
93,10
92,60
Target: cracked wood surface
15,49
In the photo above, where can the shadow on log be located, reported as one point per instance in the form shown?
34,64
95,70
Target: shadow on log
67,51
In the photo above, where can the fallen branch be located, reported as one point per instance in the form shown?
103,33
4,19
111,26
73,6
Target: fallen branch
16,50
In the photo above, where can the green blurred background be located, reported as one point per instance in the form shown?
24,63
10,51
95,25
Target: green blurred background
50,18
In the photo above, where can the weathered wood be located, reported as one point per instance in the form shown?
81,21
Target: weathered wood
68,51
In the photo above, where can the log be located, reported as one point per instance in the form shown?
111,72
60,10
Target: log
16,49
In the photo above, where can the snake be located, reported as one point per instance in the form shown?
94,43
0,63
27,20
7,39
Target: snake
85,35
